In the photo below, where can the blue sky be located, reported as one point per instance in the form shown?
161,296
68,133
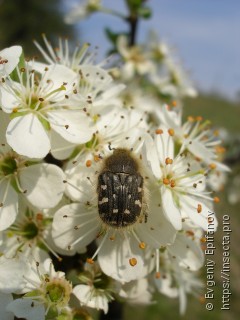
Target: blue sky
205,34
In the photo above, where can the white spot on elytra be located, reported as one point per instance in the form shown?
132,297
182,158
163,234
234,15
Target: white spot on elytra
104,200
138,203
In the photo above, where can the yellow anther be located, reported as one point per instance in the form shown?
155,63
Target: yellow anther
142,245
171,132
132,262
96,158
168,160
172,183
216,199
157,275
199,208
190,119
199,118
203,239
190,233
174,103
112,238
166,181
90,261
88,163
212,166
15,110
159,131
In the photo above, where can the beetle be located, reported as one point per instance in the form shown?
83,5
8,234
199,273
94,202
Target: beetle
120,190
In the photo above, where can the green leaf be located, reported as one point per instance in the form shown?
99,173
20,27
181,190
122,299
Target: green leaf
145,12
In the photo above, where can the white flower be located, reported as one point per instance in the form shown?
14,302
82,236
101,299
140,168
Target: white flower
46,292
135,60
180,182
95,291
41,184
9,59
38,106
83,10
137,292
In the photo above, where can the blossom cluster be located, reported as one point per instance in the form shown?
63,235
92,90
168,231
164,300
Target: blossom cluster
59,120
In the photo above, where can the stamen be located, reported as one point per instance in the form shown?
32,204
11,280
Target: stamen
159,131
171,132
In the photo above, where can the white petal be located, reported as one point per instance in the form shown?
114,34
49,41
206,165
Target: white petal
164,285
158,231
114,259
44,184
60,148
188,252
12,55
170,210
27,309
73,126
199,150
86,296
65,219
11,274
189,206
5,299
9,204
8,99
27,137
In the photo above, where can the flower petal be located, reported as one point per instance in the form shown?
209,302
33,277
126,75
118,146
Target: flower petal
73,126
12,56
114,259
5,299
170,210
11,274
43,184
27,136
86,296
27,309
8,204
74,226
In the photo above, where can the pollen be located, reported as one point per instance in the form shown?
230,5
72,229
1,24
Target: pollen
159,131
199,118
132,262
15,110
216,199
142,245
158,275
88,163
199,208
171,132
174,103
166,181
90,261
168,160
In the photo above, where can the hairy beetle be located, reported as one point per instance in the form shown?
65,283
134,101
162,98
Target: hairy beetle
120,190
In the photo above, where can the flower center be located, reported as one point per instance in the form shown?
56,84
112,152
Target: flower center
56,292
30,230
8,166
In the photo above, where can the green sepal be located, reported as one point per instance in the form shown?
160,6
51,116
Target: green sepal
21,64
